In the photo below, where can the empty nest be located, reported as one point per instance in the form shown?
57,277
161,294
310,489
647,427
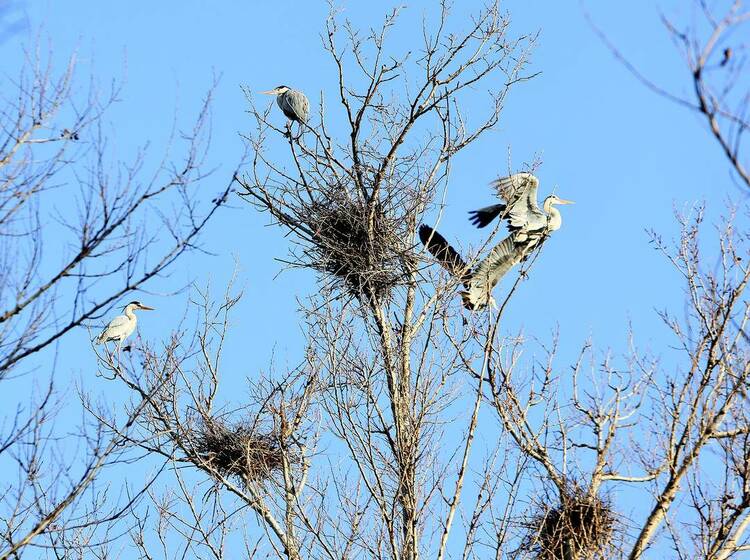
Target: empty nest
580,526
238,451
359,244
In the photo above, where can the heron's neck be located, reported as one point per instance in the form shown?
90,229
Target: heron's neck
129,313
554,219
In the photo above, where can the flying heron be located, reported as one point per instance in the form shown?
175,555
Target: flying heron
525,218
122,326
528,226
293,103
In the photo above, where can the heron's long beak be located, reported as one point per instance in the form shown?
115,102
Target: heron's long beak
146,308
562,201
270,92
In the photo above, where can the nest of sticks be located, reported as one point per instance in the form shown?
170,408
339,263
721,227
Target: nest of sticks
358,243
579,526
239,450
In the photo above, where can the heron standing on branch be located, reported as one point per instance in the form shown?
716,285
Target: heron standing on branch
122,326
293,103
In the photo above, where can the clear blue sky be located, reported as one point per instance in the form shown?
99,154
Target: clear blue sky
627,157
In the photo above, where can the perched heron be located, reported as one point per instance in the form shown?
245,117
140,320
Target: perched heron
293,103
122,326
525,218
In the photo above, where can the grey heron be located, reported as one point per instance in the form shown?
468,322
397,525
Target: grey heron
293,103
122,326
528,226
525,218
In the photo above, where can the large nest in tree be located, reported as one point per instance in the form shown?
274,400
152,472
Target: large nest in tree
580,526
238,451
358,243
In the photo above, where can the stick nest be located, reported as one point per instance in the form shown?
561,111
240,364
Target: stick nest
239,451
359,244
580,526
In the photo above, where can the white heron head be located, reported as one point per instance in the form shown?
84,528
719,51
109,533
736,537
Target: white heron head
553,199
133,305
278,90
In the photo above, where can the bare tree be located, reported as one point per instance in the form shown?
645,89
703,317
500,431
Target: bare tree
712,412
252,458
649,428
52,146
353,200
52,503
373,376
390,350
78,231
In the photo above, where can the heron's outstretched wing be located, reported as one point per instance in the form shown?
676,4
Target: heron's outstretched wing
446,255
503,256
295,105
520,192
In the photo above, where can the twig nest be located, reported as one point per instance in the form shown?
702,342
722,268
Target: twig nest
358,243
358,239
239,451
579,527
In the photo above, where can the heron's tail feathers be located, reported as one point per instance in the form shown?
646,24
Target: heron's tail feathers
476,300
484,216
470,301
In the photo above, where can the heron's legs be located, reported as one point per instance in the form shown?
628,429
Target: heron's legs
110,358
301,128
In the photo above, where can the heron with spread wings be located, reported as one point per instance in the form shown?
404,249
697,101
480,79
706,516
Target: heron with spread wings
528,226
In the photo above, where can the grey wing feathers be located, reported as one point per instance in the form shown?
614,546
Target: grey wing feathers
515,186
295,105
118,321
112,327
446,255
520,192
494,266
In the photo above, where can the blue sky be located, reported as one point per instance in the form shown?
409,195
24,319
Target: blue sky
627,157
